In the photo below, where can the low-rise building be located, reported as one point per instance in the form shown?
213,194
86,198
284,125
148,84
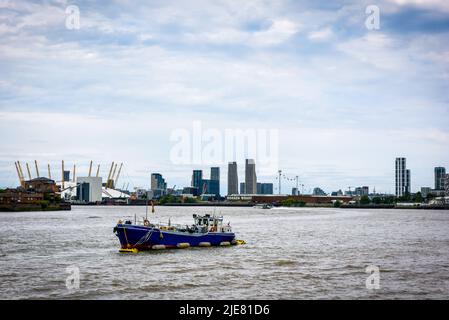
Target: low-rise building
41,185
338,193
141,193
211,187
308,199
191,190
318,192
264,188
437,193
12,196
425,191
242,188
361,191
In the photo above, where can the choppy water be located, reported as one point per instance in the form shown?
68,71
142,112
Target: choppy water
290,254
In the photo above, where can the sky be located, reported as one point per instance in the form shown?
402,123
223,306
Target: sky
340,100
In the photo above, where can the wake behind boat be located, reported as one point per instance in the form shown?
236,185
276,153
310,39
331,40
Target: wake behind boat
263,206
206,231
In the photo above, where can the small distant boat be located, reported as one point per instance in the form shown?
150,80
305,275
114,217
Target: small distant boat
263,206
206,231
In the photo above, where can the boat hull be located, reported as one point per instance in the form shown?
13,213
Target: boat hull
141,237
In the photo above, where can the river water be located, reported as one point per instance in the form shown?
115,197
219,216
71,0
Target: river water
300,253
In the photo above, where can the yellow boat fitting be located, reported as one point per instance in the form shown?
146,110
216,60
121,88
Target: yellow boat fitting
183,245
132,250
204,244
240,242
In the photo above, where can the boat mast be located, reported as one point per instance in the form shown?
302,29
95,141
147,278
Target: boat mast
146,207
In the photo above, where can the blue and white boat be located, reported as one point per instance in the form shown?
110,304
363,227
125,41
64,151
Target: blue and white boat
206,231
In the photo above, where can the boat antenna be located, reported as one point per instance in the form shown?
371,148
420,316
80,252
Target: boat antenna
146,207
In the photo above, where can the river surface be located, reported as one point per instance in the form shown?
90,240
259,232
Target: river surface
301,253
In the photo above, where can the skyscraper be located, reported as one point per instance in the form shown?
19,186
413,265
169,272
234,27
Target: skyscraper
215,176
446,184
215,173
158,185
250,177
67,176
402,175
157,182
439,178
408,184
197,178
233,180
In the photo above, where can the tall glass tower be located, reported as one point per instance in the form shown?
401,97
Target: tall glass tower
440,172
402,175
250,177
233,180
197,179
215,176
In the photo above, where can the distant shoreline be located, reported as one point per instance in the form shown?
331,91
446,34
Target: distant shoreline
35,207
249,205
210,204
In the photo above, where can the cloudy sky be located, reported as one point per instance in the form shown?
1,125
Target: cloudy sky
345,100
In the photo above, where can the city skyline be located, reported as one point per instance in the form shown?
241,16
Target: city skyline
157,182
345,99
402,182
